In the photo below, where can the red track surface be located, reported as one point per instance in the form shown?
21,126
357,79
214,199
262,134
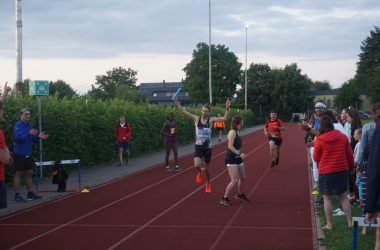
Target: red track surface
154,209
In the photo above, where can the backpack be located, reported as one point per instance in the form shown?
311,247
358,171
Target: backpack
60,177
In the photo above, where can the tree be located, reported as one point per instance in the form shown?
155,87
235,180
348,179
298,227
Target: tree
61,88
261,80
106,85
132,95
348,95
321,85
368,71
291,91
225,73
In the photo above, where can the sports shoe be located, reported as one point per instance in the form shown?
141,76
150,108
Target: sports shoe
277,161
177,169
120,164
225,201
340,213
273,163
126,162
198,179
168,169
19,199
337,210
315,192
241,197
32,196
208,189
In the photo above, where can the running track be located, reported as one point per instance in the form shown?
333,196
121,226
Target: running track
153,209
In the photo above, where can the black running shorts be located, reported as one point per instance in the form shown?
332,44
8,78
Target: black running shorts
203,152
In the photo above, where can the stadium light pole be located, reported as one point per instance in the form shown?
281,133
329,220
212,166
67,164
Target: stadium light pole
209,52
246,66
18,84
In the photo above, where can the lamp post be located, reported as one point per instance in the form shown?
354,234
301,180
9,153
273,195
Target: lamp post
209,52
246,65
18,85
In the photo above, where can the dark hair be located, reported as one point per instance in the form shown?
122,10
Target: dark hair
273,111
325,125
121,116
170,113
359,130
356,122
376,111
207,106
331,115
236,121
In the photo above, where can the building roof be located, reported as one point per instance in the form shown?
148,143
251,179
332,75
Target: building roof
162,92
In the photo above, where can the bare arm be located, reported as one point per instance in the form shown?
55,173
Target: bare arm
226,114
5,93
184,111
231,137
163,130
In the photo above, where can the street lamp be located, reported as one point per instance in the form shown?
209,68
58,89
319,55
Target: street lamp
209,51
246,65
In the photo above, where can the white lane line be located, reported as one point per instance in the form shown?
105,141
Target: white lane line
105,206
173,206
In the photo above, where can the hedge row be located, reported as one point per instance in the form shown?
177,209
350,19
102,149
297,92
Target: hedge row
84,128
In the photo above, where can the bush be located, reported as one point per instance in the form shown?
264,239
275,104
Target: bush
84,128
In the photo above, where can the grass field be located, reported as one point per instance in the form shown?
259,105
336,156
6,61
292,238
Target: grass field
340,237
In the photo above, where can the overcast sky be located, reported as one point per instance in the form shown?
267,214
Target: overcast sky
75,40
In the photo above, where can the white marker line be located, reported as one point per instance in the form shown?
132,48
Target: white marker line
103,207
173,206
109,182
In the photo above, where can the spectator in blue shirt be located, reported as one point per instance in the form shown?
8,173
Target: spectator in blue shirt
24,137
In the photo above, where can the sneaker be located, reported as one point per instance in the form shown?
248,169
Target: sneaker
168,169
32,196
315,192
340,213
225,201
177,169
198,179
241,197
337,210
19,199
208,189
126,162
277,161
273,163
120,164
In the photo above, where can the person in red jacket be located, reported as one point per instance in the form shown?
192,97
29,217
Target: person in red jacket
333,152
123,134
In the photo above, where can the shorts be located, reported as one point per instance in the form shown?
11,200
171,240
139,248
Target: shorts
23,163
123,145
203,152
219,129
3,195
277,141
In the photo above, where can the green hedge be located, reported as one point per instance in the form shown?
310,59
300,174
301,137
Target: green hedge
84,128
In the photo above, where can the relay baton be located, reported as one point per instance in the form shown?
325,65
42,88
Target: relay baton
176,93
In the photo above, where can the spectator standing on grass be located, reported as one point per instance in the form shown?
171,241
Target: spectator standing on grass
24,137
220,127
234,162
358,167
313,128
333,152
169,129
346,124
372,203
5,156
123,134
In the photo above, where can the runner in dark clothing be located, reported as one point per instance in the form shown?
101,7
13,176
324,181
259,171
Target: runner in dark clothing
169,129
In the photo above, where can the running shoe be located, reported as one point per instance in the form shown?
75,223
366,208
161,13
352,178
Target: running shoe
19,199
273,163
340,213
225,201
32,196
277,161
198,179
208,189
177,169
337,210
126,162
241,197
120,164
168,169
315,192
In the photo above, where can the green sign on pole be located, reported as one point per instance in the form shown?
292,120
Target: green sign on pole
39,88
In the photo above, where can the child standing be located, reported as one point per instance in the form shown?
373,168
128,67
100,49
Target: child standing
358,167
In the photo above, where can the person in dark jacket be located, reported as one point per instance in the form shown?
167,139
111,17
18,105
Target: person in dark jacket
123,134
372,204
24,137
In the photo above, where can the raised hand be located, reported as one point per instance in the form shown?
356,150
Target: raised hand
228,103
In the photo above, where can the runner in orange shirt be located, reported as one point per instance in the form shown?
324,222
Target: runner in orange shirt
272,130
220,127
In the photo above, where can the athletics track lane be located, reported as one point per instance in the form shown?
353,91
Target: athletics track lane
158,210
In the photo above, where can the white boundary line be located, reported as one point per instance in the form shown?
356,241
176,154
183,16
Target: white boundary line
172,206
117,201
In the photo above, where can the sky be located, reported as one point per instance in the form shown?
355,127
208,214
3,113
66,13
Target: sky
75,40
